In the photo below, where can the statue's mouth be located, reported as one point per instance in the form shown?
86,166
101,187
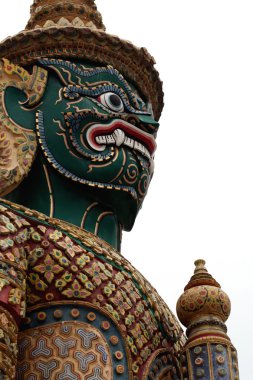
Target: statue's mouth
119,133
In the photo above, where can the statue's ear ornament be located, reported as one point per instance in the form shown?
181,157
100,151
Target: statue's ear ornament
33,85
17,144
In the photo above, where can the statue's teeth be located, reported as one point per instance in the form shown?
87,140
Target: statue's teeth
119,136
140,148
110,139
101,139
129,142
146,153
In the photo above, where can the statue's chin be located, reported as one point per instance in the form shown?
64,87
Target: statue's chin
123,204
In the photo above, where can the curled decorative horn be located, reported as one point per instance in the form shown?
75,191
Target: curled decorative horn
17,144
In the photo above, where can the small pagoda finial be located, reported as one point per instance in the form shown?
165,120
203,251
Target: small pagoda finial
76,13
204,308
202,297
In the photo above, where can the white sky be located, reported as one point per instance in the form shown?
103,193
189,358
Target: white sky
200,203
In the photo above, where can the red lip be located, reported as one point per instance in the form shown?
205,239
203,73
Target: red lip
130,130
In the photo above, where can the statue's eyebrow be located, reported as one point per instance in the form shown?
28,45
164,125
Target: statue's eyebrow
71,74
100,89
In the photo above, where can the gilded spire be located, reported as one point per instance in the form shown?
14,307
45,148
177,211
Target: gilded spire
77,13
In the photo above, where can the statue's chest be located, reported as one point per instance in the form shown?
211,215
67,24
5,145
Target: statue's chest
76,287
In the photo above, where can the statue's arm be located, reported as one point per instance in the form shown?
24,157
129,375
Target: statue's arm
12,305
13,267
18,88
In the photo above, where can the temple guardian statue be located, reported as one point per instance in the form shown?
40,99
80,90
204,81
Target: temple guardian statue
79,112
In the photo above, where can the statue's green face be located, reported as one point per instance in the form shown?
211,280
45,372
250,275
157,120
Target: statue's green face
95,129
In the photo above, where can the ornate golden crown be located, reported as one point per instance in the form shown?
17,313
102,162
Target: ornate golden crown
74,29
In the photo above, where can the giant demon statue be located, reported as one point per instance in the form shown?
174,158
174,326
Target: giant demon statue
78,122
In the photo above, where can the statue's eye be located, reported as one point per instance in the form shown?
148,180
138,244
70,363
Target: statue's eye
112,101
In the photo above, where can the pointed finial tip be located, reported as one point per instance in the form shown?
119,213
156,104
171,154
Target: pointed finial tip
199,262
200,266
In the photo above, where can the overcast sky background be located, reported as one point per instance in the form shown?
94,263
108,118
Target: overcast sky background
200,202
